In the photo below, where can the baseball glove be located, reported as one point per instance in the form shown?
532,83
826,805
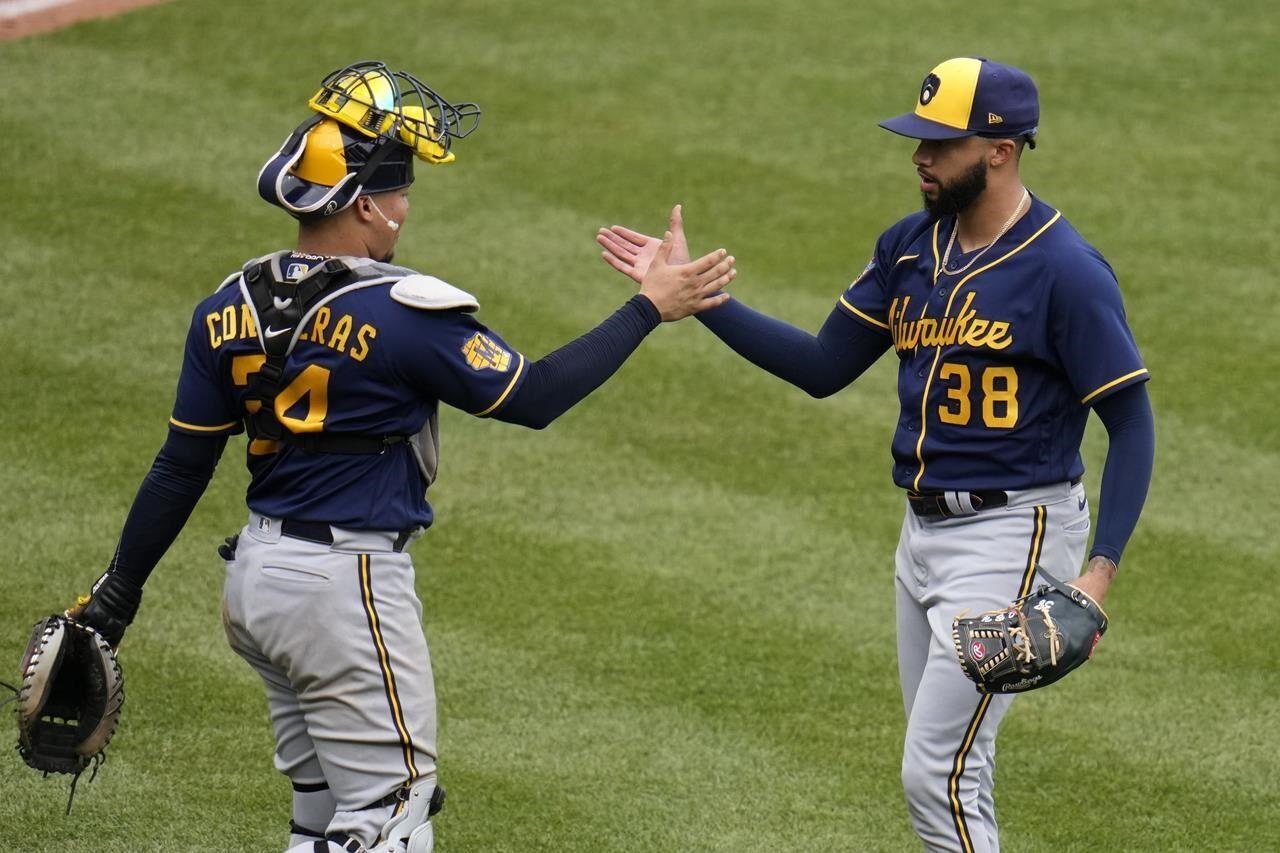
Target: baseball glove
1033,642
69,699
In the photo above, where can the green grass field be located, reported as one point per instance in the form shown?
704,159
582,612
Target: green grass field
666,623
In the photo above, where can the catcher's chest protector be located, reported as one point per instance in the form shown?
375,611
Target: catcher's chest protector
280,309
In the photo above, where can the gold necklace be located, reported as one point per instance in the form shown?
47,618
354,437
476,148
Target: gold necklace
1008,223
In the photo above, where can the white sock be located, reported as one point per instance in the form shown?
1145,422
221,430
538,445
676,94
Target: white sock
312,811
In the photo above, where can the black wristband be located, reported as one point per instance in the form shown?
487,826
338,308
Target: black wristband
112,606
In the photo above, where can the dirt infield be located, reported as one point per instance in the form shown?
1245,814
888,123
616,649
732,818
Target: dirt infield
21,18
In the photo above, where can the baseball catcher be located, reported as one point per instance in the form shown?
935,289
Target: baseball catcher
336,363
1033,642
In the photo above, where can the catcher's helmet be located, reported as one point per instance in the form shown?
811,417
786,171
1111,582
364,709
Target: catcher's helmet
370,123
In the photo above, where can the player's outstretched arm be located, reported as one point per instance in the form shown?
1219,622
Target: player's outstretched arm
669,290
819,365
178,477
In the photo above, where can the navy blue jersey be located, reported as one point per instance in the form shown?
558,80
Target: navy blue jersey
365,364
998,364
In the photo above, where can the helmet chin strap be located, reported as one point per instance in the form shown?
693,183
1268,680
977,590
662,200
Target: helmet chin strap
391,223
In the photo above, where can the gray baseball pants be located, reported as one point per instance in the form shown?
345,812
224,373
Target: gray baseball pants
976,562
335,631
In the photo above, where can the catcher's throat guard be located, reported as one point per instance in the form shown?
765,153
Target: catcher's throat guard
370,124
1033,642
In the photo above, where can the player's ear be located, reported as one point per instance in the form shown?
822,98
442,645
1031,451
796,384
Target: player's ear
363,208
1002,151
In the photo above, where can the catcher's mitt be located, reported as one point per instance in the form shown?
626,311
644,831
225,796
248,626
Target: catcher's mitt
1033,642
69,699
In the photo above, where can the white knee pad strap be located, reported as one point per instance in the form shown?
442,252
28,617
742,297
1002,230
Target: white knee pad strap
330,846
410,824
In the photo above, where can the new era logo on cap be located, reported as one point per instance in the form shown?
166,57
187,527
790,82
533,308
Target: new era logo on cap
970,96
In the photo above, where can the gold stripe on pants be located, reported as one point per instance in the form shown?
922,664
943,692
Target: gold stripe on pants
384,661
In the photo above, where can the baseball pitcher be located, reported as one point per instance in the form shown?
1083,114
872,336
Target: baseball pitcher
1008,328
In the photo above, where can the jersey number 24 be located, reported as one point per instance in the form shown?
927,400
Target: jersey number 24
312,383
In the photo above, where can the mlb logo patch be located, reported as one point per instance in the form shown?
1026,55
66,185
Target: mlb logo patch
296,271
871,264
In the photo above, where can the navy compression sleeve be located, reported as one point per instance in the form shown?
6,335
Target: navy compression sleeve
558,381
170,491
820,366
1131,448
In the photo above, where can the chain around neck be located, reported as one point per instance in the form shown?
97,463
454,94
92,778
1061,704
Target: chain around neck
1008,223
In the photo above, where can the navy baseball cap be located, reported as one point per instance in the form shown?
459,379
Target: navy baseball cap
972,96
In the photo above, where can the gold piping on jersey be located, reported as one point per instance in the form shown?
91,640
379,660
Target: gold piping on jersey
924,400
1113,383
863,315
906,258
384,662
847,304
510,385
218,428
924,415
1056,216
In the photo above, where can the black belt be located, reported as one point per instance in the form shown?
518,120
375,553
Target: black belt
314,531
935,504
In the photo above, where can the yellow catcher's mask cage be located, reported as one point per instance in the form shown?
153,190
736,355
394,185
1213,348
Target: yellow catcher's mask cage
368,126
374,100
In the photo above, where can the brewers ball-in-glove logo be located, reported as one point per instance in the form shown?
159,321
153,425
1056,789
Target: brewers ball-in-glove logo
929,88
483,354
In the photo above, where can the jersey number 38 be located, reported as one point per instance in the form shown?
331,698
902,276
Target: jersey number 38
999,396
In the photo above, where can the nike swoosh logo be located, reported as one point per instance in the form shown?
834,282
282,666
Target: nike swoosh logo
275,333
1082,500
282,304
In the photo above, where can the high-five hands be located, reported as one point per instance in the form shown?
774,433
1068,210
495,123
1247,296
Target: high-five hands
630,252
677,286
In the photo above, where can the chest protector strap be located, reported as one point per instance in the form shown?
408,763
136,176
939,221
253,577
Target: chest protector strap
280,309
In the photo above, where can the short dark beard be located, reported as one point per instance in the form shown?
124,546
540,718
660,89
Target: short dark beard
960,193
